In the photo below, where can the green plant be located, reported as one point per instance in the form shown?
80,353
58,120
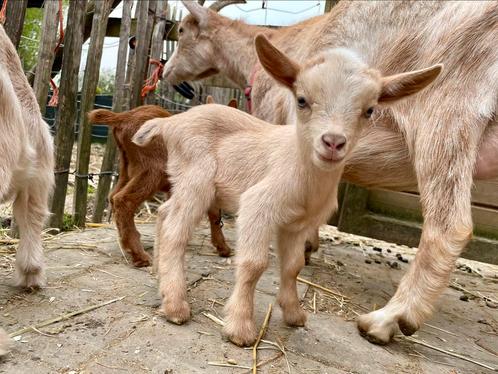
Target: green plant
67,222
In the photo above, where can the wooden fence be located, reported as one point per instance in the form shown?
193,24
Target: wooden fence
397,217
392,216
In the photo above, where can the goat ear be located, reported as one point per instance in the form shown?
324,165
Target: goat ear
210,100
395,87
200,13
277,64
233,103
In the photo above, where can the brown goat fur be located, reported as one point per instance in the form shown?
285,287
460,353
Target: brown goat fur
142,173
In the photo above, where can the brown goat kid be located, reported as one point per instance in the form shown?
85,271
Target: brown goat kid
280,179
26,167
439,141
142,173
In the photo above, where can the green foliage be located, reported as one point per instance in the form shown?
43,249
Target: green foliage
106,82
67,222
30,39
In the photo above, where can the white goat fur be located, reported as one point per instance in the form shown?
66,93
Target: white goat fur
280,179
26,166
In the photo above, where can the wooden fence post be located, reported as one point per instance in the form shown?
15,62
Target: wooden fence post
145,23
329,4
14,21
46,53
90,81
157,43
117,106
67,113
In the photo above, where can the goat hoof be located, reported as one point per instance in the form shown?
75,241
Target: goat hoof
142,261
296,317
407,327
177,313
224,251
32,278
377,327
243,334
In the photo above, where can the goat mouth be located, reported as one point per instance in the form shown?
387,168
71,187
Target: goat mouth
329,158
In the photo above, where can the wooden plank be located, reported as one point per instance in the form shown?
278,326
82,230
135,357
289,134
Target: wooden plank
145,17
486,193
109,159
329,4
66,115
90,81
408,233
87,28
14,21
405,206
353,208
46,53
157,43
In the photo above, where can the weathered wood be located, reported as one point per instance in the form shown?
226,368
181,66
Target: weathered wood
146,12
66,115
397,217
329,4
46,53
14,21
87,28
117,106
90,81
157,43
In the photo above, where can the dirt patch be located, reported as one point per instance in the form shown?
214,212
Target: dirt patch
129,335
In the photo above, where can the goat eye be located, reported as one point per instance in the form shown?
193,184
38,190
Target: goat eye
180,30
301,102
369,112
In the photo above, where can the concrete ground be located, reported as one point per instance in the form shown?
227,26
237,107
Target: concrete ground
128,335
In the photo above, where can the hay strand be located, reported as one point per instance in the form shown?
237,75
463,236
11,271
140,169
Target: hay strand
63,317
258,340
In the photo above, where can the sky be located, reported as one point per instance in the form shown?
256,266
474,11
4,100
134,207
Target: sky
277,13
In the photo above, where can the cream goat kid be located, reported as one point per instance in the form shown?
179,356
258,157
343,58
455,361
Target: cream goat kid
280,179
26,166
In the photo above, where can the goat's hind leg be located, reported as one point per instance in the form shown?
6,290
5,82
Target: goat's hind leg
188,203
30,211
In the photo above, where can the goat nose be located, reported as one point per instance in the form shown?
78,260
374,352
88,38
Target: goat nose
334,142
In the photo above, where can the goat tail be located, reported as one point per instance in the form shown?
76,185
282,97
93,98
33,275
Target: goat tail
105,117
148,131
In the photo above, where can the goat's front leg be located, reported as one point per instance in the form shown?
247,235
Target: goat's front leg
290,251
254,234
30,211
445,184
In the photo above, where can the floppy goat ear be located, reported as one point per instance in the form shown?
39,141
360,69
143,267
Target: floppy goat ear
147,132
200,13
277,64
395,87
